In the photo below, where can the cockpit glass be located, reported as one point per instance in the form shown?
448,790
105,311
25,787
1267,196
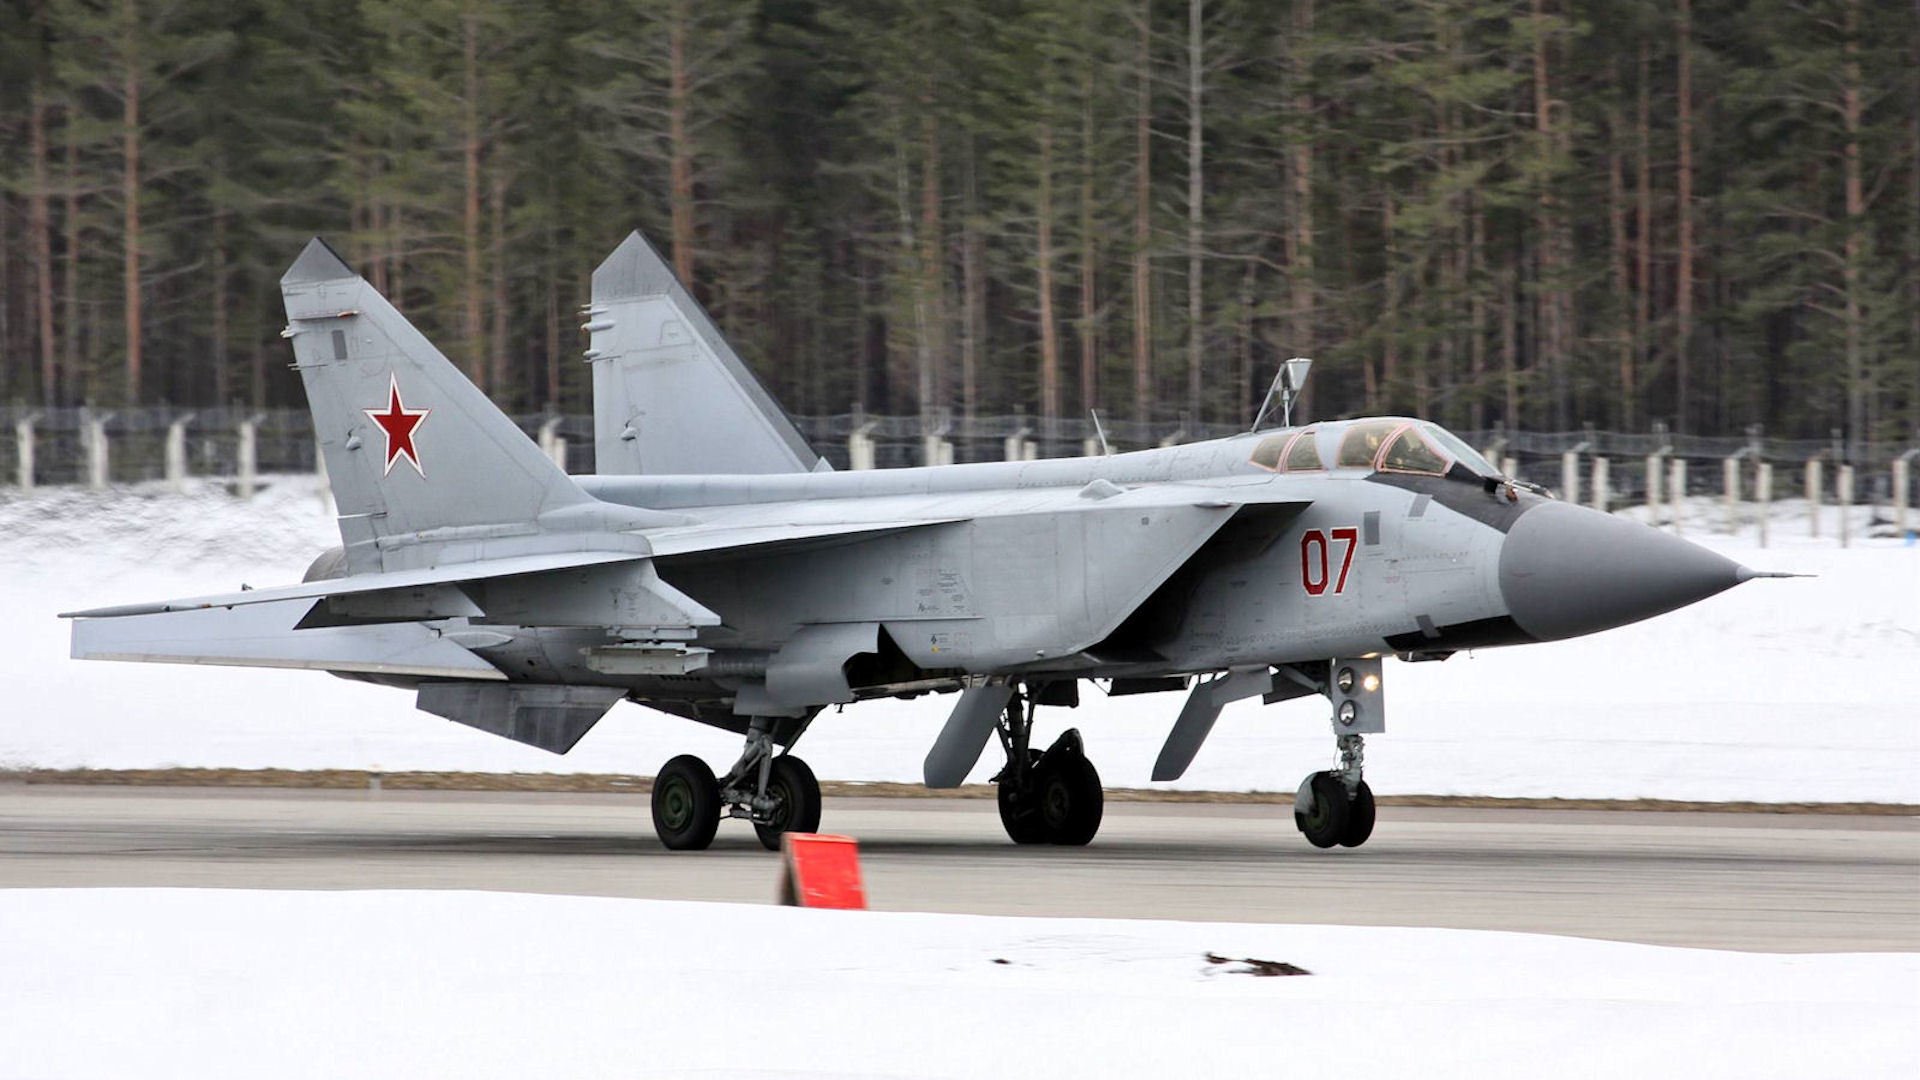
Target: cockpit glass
1361,444
1304,454
1462,453
1410,453
1267,454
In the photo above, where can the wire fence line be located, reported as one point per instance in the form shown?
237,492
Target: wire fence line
67,446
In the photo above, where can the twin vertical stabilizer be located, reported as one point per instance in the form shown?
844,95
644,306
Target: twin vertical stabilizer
669,394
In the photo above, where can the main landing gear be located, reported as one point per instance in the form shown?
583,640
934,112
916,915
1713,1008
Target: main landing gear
777,793
1046,798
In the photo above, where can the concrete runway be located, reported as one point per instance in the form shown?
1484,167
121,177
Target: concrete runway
1771,882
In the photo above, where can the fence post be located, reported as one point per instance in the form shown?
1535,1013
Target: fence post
23,444
1570,476
1843,494
1813,496
1730,489
935,448
1763,494
94,431
1901,494
552,443
177,453
860,446
1018,446
1677,491
249,455
1654,469
1600,467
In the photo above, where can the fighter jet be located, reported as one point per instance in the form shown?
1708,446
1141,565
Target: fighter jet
718,570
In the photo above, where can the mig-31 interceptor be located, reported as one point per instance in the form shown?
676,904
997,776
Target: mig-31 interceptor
718,570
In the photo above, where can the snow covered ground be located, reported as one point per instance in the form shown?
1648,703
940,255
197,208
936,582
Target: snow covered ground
1804,690
162,983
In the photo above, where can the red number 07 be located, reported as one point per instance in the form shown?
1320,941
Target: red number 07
1316,568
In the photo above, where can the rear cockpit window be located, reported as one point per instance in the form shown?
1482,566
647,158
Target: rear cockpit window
1303,454
1267,454
1293,451
1360,446
1409,452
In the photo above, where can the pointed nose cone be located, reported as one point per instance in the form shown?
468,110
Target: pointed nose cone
1566,571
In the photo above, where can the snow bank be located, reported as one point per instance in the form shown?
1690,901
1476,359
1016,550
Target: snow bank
1776,691
163,983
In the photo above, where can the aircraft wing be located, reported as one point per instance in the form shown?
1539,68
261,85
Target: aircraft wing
264,635
717,537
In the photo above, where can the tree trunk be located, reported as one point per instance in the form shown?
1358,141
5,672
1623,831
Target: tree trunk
130,195
77,383
1143,220
1477,312
973,288
1622,282
1683,210
1510,344
1550,338
1643,217
505,387
222,378
1858,436
1390,312
1195,187
472,287
679,144
1049,332
933,376
40,228
1300,259
1089,296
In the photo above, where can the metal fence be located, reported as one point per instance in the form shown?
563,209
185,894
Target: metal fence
95,447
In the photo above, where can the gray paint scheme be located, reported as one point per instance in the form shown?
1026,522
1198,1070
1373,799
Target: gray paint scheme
762,589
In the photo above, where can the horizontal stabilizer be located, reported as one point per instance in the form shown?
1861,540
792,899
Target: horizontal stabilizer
263,635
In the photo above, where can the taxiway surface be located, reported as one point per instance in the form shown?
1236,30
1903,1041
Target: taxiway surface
1774,882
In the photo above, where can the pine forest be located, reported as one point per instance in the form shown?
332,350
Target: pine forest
1542,214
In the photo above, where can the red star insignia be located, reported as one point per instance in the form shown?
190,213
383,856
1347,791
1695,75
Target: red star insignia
398,423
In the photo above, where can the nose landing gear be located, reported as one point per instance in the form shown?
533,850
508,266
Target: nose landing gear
1335,808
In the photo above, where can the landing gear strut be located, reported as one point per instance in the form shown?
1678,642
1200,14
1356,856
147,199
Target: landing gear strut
1050,798
1335,808
776,792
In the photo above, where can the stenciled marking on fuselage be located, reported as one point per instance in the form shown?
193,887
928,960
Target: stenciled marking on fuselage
1316,565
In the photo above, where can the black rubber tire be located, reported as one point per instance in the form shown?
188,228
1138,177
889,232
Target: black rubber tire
1359,817
1326,822
1071,802
1020,809
686,804
797,797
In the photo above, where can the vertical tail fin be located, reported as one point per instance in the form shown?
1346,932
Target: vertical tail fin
410,444
669,395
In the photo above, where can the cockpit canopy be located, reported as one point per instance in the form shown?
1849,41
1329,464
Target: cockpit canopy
1376,444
